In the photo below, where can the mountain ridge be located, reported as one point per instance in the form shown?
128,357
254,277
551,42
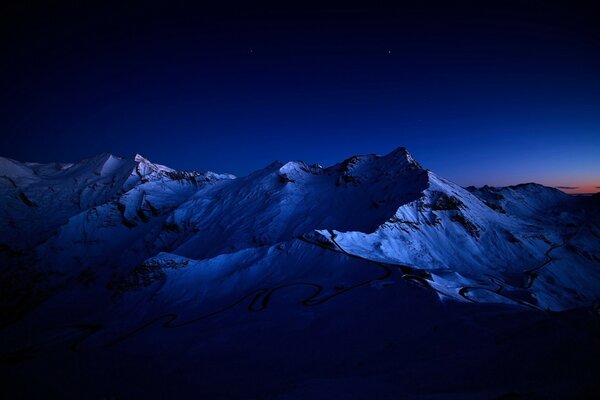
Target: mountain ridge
108,259
398,212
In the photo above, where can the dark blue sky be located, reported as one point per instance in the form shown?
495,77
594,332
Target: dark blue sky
480,92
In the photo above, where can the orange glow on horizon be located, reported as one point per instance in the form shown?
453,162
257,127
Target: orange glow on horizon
583,188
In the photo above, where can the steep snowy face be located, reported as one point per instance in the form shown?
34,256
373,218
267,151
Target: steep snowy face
528,200
286,201
59,221
37,198
511,245
124,231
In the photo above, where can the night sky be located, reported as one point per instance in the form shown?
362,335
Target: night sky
481,93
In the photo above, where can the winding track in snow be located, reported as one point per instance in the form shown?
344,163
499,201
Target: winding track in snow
531,274
462,292
259,299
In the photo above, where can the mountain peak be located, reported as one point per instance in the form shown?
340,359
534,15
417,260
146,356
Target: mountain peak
139,158
150,166
401,153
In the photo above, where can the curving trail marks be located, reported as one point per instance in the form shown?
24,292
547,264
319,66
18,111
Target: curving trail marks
532,274
466,289
259,299
462,292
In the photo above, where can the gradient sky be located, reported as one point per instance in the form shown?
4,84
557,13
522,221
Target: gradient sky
480,92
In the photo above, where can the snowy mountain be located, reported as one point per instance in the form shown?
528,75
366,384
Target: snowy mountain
108,252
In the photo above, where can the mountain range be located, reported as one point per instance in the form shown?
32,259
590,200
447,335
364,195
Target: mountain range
370,278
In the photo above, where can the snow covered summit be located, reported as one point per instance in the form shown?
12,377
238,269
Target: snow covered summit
528,245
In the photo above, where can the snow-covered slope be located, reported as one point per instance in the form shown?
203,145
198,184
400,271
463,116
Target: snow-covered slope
510,245
105,215
38,198
110,249
58,221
